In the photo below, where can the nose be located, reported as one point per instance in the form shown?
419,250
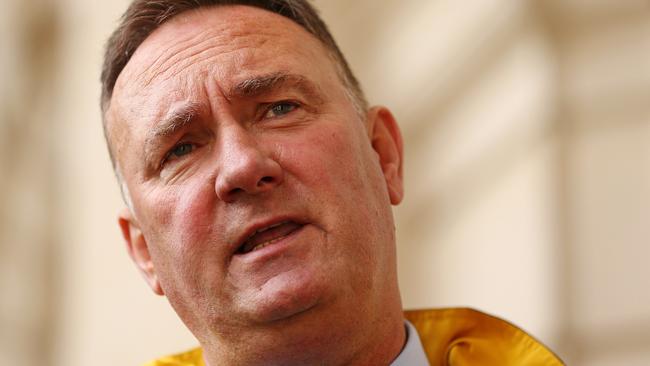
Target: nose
245,168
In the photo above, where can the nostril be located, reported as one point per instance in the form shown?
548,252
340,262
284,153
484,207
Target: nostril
265,180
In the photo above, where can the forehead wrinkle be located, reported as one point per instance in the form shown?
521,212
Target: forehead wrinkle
179,58
192,51
262,84
206,58
142,68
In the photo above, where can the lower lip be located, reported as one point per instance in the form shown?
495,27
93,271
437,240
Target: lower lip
273,248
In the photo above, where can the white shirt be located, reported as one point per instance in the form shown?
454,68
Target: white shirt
413,353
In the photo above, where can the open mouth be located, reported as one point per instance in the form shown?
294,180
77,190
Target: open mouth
268,235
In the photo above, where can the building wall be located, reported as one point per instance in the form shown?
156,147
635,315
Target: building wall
526,126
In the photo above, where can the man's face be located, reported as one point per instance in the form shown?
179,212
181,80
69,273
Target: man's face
259,194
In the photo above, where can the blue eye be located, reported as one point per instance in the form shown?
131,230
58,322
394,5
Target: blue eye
180,150
280,109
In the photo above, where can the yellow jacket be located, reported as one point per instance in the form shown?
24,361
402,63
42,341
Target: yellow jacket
451,337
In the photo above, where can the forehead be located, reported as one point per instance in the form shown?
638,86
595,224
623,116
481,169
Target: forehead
225,43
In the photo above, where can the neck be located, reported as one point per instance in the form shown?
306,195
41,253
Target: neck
384,350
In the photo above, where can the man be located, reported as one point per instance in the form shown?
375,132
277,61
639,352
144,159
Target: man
259,188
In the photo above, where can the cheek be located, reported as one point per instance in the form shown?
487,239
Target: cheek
193,209
336,170
327,160
180,225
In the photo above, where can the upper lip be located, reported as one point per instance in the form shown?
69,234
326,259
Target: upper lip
262,225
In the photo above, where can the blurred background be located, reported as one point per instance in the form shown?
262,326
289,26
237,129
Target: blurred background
527,129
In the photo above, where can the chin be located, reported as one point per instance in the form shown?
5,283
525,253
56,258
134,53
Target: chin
286,297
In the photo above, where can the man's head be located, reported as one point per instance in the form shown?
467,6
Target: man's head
260,194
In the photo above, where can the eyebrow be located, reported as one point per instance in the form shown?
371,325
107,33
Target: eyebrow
264,84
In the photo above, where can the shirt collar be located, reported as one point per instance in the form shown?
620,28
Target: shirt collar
413,353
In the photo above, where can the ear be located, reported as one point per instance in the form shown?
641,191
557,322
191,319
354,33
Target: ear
136,245
386,140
